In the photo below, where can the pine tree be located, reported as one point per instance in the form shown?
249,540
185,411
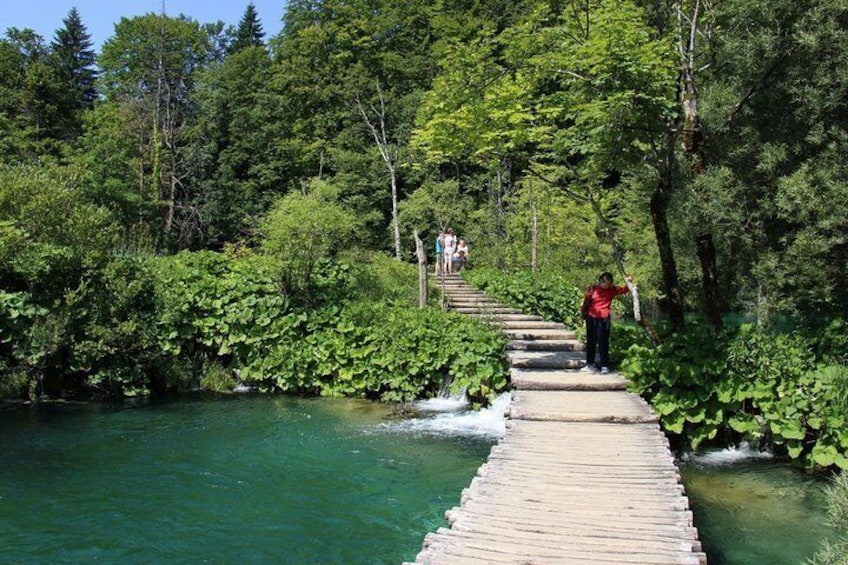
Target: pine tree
73,61
249,33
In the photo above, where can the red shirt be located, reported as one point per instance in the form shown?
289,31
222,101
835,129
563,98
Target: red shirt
601,298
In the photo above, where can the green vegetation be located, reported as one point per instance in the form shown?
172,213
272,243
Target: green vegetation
746,383
834,550
764,386
544,294
211,207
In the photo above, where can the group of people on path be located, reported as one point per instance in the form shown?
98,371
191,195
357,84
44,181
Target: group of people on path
451,252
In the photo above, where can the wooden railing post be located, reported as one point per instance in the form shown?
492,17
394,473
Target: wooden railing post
422,270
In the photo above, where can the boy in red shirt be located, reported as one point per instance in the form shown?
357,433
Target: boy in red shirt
596,312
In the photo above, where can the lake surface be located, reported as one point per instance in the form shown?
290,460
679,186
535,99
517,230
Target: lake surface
258,479
237,480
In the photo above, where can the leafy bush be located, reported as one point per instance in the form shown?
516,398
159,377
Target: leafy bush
834,549
380,351
302,230
379,277
746,382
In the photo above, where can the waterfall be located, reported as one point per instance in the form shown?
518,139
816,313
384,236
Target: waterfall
451,416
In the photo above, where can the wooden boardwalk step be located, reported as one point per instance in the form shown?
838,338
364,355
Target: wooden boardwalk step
509,317
545,345
485,310
580,406
540,334
531,379
546,359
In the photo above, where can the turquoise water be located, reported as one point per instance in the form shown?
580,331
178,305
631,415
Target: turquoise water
240,480
278,480
752,511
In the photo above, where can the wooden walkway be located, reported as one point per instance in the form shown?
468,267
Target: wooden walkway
583,474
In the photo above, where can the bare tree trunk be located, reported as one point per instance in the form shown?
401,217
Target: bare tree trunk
389,153
395,213
422,270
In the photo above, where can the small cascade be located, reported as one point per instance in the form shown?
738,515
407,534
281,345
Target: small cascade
458,420
729,455
445,401
241,387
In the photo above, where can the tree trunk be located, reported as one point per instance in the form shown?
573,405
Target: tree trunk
693,148
707,257
389,153
534,233
395,215
673,305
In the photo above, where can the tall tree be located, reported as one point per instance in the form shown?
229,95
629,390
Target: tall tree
237,171
249,32
74,61
354,70
773,119
31,95
150,66
581,95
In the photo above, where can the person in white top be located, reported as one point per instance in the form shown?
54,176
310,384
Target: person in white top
448,251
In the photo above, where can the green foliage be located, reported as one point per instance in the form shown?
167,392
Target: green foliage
380,278
395,354
834,549
302,230
49,234
831,342
746,383
239,173
545,294
218,378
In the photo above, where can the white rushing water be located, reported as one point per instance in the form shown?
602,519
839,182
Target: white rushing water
452,417
729,455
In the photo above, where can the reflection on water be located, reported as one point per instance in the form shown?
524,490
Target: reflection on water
752,510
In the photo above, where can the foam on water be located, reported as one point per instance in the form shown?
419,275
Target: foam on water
729,455
443,404
488,422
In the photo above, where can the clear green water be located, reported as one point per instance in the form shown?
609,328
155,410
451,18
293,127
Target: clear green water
278,480
756,512
242,480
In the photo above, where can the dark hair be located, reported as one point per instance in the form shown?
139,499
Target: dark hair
606,277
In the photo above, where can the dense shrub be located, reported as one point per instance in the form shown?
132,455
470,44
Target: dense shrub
159,324
746,383
379,351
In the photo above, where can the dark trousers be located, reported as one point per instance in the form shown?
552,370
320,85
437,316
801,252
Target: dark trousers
597,338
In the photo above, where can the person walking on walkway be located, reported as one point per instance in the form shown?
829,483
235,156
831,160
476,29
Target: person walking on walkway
440,240
596,311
